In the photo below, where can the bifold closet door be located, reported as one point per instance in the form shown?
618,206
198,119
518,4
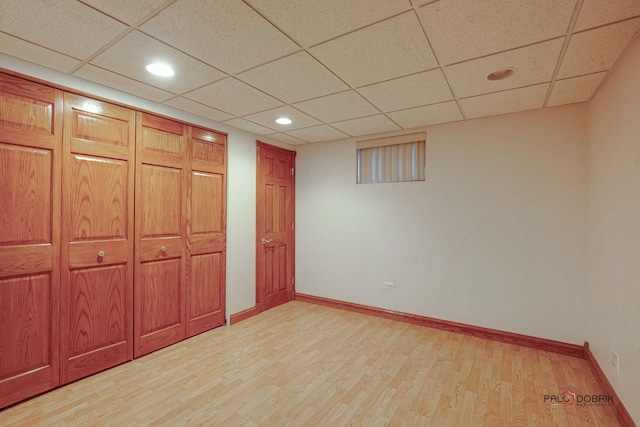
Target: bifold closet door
30,155
206,231
161,178
97,236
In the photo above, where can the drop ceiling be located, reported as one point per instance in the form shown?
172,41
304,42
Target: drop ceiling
337,68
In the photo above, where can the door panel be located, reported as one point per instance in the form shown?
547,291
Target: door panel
160,199
206,232
27,193
160,229
30,149
275,217
97,224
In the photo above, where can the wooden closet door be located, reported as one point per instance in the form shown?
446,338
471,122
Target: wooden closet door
206,231
30,144
97,236
161,154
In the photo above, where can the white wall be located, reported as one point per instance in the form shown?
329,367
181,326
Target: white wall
614,227
241,196
495,236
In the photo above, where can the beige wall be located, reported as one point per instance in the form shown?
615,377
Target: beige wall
495,236
614,227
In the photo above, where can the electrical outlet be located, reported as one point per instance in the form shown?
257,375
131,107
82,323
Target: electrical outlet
390,286
615,361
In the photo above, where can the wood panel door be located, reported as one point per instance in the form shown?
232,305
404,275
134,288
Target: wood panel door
30,155
97,237
275,226
161,157
206,231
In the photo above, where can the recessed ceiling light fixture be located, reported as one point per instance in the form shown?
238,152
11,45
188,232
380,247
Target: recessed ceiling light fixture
283,121
160,69
501,74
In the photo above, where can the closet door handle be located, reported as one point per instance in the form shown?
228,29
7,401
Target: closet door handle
101,254
163,249
263,241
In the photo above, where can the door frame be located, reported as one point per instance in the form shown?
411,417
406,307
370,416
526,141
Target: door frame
262,145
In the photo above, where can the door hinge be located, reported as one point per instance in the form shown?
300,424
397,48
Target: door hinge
292,171
293,281
293,227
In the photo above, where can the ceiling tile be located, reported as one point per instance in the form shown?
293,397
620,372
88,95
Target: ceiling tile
125,10
597,50
268,118
600,12
196,108
575,89
509,101
226,34
294,78
406,92
249,126
336,107
287,139
389,49
130,56
233,97
84,31
300,18
38,55
366,125
318,133
460,29
532,64
116,81
428,115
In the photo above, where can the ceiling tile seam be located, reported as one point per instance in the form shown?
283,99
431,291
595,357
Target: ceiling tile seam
358,29
123,34
508,90
273,24
563,50
103,49
597,27
132,79
271,61
423,25
506,50
199,103
399,77
323,96
357,118
392,121
39,45
195,58
140,21
615,65
582,75
425,105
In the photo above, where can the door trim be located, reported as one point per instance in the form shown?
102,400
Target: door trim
263,145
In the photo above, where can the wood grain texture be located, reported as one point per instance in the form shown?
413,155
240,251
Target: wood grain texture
275,204
97,236
304,364
623,416
162,154
206,231
26,194
30,173
477,331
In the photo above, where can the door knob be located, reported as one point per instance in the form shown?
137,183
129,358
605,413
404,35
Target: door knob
163,249
263,240
101,254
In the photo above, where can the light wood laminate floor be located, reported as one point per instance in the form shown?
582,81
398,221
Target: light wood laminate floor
307,365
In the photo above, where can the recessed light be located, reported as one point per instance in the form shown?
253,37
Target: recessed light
501,74
159,69
283,121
